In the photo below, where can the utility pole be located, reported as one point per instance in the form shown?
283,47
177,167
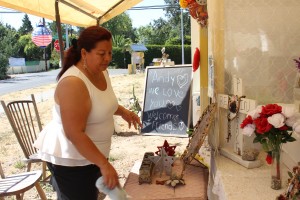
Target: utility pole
67,36
45,55
182,37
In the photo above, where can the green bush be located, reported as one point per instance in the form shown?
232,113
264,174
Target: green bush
3,66
118,58
174,51
54,60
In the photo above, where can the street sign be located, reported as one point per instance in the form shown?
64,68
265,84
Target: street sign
55,37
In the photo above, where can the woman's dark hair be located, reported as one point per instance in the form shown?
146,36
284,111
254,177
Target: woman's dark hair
87,40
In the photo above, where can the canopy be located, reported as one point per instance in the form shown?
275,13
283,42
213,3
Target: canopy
81,13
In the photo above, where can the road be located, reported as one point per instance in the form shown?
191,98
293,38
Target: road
31,80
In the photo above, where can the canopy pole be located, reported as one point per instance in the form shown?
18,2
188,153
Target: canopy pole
58,26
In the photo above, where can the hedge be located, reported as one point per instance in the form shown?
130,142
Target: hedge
154,51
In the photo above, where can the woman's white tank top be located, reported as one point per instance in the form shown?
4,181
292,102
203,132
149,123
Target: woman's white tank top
52,142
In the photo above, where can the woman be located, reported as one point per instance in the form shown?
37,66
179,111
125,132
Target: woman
76,143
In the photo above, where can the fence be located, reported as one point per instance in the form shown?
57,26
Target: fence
31,66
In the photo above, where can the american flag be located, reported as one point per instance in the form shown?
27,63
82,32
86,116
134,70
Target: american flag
41,36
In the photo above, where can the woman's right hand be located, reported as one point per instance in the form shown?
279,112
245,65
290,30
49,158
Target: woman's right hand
110,176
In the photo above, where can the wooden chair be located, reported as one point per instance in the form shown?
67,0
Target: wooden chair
25,121
19,183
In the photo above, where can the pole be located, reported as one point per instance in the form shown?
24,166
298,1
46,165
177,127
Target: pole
182,38
45,55
58,26
67,36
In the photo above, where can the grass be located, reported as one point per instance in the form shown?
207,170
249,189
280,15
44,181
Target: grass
20,164
112,159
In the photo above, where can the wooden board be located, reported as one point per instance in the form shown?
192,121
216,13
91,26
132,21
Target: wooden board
196,179
167,100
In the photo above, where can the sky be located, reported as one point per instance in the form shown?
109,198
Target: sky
139,17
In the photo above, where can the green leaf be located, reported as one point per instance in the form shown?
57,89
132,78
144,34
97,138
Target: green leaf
256,140
265,146
290,174
291,139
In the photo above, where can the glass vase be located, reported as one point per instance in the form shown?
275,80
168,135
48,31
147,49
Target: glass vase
276,175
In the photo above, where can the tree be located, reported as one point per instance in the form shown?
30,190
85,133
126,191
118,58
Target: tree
120,25
26,26
31,51
173,13
166,31
8,47
161,31
3,66
121,42
144,34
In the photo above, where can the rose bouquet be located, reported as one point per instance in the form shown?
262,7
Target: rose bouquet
273,125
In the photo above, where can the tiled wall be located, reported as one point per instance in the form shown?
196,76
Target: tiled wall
262,37
255,40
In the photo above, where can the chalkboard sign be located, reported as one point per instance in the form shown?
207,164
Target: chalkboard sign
167,100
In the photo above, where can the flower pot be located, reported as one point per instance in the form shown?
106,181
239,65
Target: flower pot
276,169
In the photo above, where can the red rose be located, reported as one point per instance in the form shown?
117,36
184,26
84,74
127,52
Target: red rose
269,158
271,109
262,125
247,120
284,128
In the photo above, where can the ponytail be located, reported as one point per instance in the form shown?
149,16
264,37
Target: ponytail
72,56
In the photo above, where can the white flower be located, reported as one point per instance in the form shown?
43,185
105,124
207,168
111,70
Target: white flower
296,127
255,113
248,129
288,110
292,120
277,120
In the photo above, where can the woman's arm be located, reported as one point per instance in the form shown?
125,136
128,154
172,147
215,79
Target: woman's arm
75,105
129,116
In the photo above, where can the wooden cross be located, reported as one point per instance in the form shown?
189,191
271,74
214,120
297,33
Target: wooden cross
243,105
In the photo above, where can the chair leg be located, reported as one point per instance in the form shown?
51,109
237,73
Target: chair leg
44,171
28,167
40,191
19,196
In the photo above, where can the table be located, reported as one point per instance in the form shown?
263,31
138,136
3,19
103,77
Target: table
196,179
231,181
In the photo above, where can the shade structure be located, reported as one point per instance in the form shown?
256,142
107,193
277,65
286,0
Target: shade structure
81,13
41,36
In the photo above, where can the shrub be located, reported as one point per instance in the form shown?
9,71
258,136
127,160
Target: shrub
174,51
54,60
3,66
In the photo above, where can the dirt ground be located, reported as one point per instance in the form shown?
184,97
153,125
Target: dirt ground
128,145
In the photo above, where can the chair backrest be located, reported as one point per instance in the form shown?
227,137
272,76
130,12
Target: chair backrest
25,121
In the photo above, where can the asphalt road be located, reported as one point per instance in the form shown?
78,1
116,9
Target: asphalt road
31,80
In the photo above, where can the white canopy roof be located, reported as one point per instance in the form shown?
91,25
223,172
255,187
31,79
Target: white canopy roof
75,12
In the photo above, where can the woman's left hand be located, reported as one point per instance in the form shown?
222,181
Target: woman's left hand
131,118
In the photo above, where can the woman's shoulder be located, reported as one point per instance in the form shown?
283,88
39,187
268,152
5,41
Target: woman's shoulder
73,70
72,76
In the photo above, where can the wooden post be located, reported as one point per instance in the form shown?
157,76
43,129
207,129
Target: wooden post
58,26
203,68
